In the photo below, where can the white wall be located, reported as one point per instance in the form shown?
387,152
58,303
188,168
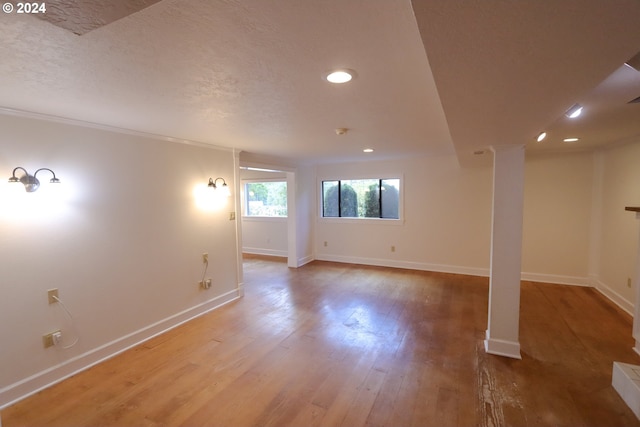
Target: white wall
448,218
305,214
619,230
122,241
557,217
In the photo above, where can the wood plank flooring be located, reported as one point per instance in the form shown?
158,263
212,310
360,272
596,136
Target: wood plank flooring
343,345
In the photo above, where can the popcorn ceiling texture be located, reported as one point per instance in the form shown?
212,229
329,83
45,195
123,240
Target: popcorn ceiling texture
248,73
241,73
80,17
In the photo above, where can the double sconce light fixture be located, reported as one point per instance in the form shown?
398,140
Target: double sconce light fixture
217,188
31,182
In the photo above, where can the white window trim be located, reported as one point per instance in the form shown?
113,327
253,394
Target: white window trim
352,220
256,218
243,199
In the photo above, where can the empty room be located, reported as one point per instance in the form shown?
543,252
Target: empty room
340,212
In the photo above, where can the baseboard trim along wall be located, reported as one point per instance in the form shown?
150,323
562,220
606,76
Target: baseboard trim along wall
41,380
617,299
304,260
263,251
502,348
439,268
556,279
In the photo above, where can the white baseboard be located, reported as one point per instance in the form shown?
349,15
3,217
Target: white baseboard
264,251
615,297
304,260
502,347
41,380
440,268
626,381
557,279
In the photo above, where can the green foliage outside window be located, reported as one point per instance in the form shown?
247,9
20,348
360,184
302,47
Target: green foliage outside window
361,198
267,198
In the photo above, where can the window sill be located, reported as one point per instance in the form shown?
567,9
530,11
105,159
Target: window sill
264,218
368,221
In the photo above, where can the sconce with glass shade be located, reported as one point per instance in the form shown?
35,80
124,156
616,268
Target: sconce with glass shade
31,182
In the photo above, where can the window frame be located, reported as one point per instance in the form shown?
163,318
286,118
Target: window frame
244,203
358,220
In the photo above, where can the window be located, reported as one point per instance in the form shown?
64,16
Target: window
265,198
361,198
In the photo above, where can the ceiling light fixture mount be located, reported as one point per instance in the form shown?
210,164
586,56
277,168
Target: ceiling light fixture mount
30,182
341,131
541,137
339,76
574,111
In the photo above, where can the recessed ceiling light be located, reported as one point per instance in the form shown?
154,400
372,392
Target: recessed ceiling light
343,75
571,140
574,111
368,150
542,136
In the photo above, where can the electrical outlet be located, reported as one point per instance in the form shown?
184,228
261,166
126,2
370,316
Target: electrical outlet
205,258
51,293
206,284
325,244
393,248
51,339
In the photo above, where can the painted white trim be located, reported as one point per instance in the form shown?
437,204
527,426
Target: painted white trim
281,219
502,347
455,269
557,279
305,260
615,297
268,252
92,125
625,380
411,265
360,176
44,379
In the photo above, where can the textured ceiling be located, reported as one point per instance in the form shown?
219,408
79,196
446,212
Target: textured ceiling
245,74
80,17
434,76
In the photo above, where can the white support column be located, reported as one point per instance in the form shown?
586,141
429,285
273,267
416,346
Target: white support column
636,308
502,337
237,207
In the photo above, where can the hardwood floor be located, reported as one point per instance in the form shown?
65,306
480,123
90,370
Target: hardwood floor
334,344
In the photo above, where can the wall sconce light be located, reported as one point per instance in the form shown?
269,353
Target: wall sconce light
223,190
30,182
